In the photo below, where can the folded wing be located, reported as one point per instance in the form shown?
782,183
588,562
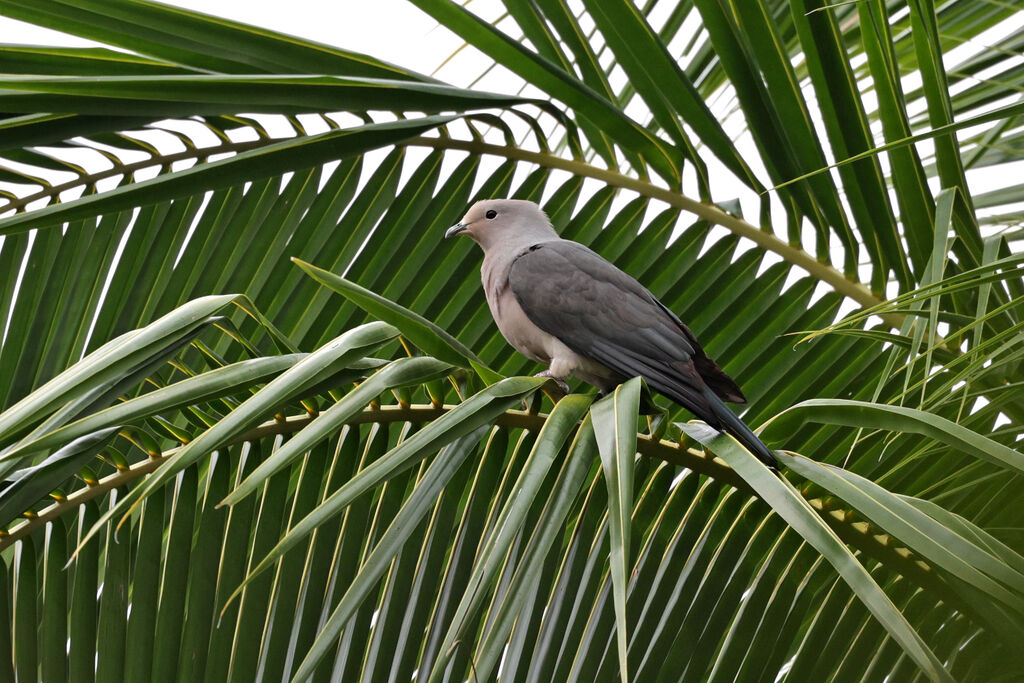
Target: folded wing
602,313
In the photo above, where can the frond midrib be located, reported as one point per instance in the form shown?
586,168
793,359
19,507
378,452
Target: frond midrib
794,255
859,534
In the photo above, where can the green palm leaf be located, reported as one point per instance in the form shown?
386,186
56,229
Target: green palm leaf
393,508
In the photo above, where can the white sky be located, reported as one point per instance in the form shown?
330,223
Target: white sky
392,30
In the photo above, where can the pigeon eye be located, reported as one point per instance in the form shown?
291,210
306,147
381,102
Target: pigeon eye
491,214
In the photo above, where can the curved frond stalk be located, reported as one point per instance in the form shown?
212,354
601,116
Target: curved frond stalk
706,211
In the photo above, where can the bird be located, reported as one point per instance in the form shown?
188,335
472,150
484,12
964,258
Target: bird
561,304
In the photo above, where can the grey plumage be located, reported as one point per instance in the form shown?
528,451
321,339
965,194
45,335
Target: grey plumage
561,304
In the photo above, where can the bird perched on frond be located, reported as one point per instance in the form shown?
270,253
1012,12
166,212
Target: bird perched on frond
561,304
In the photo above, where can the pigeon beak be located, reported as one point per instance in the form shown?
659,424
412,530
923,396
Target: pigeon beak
454,230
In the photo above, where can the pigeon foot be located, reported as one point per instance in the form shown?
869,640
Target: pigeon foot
558,380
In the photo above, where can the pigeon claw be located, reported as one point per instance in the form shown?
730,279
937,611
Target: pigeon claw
558,380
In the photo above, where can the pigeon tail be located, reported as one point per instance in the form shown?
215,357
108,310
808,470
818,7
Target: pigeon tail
735,426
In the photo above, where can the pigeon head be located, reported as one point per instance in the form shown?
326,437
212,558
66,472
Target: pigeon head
505,223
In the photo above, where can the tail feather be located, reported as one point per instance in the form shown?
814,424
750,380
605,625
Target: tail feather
735,426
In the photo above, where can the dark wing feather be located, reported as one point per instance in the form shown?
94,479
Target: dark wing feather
722,384
604,314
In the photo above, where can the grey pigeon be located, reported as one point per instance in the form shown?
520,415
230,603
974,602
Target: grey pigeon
561,304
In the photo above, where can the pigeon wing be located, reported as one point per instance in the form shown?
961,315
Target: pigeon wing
605,315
